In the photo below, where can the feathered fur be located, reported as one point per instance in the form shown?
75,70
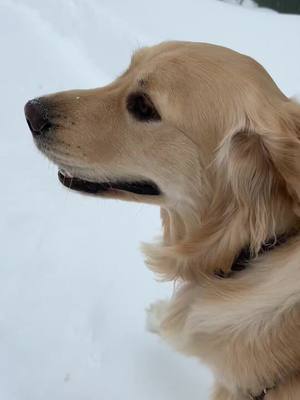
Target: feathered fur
226,156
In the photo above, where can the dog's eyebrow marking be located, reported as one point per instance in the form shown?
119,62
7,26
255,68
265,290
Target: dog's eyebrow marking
142,83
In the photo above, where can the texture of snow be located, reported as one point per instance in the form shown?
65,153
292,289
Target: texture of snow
73,287
244,3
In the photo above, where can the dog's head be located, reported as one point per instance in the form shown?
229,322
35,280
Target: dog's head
198,129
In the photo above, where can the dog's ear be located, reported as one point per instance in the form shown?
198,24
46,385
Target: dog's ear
283,146
261,163
257,179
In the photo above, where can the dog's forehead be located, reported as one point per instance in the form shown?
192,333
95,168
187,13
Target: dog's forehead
184,52
145,54
169,60
155,65
162,57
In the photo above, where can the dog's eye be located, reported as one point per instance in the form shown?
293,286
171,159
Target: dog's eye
141,107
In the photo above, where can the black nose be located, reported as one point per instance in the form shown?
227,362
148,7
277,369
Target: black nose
36,114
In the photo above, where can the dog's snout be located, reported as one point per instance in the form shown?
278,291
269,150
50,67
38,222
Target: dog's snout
37,117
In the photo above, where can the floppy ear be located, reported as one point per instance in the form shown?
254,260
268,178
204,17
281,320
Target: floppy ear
262,166
249,172
283,146
257,184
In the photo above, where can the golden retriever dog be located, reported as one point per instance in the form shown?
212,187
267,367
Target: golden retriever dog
203,132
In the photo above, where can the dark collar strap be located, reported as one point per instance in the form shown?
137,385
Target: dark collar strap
241,261
262,395
245,255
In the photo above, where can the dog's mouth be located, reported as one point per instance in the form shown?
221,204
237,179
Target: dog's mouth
143,187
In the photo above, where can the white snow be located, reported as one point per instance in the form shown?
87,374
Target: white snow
244,3
71,305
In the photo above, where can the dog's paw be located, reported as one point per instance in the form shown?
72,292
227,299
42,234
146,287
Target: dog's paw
155,315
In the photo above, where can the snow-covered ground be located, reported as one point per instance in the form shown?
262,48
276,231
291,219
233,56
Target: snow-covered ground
71,307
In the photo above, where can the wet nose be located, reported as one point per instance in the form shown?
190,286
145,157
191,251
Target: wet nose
36,114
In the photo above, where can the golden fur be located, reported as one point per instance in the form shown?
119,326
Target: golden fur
226,156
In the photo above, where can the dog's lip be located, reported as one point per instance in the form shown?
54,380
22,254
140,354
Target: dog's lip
142,187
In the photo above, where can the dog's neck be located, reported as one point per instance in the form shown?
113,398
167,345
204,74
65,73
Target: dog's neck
245,256
193,244
192,249
287,227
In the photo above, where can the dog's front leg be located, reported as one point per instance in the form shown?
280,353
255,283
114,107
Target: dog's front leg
168,318
156,313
